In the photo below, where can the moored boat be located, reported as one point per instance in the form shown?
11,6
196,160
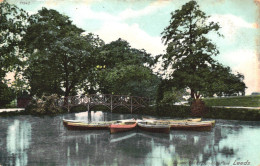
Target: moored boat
154,127
122,126
65,121
172,120
195,126
89,126
213,122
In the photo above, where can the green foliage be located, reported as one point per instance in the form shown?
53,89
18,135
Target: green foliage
125,70
12,30
59,55
175,111
120,52
6,94
168,94
189,55
242,101
44,105
172,96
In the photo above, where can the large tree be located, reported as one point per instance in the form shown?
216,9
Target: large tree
59,55
13,23
189,56
125,70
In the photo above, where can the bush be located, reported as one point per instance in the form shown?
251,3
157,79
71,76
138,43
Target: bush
6,95
173,110
44,105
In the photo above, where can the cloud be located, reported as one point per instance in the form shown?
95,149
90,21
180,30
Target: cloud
247,64
230,24
153,7
137,38
114,26
55,3
85,12
237,57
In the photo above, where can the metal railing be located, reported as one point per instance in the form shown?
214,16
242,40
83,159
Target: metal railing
110,101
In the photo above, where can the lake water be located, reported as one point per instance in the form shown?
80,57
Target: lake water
30,140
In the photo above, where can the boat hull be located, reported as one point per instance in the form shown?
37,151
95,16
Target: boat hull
154,128
85,126
116,128
66,121
192,126
213,122
172,120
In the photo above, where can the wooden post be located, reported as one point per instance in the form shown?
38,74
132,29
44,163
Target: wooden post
68,107
111,104
131,105
89,116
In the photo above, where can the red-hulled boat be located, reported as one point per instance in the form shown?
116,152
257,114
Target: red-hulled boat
154,127
121,127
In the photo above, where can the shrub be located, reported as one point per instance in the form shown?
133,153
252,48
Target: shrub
44,105
173,110
6,95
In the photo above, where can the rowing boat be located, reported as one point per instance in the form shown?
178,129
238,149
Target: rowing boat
65,121
213,122
89,126
123,126
154,127
172,120
187,124
195,126
100,125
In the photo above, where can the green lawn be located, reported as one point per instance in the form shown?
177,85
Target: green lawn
245,101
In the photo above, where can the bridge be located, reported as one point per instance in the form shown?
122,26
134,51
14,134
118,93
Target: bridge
110,101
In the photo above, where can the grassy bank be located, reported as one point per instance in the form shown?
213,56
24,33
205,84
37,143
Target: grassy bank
243,101
211,112
233,113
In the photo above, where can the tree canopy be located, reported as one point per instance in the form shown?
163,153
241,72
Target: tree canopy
12,29
57,57
125,70
189,55
60,56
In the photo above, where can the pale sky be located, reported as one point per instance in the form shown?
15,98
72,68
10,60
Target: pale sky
141,22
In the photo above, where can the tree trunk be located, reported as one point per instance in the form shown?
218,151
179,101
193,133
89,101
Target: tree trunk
192,93
198,107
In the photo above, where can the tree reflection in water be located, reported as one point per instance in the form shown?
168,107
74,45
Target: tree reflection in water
17,143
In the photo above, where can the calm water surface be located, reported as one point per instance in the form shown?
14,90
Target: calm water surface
30,140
